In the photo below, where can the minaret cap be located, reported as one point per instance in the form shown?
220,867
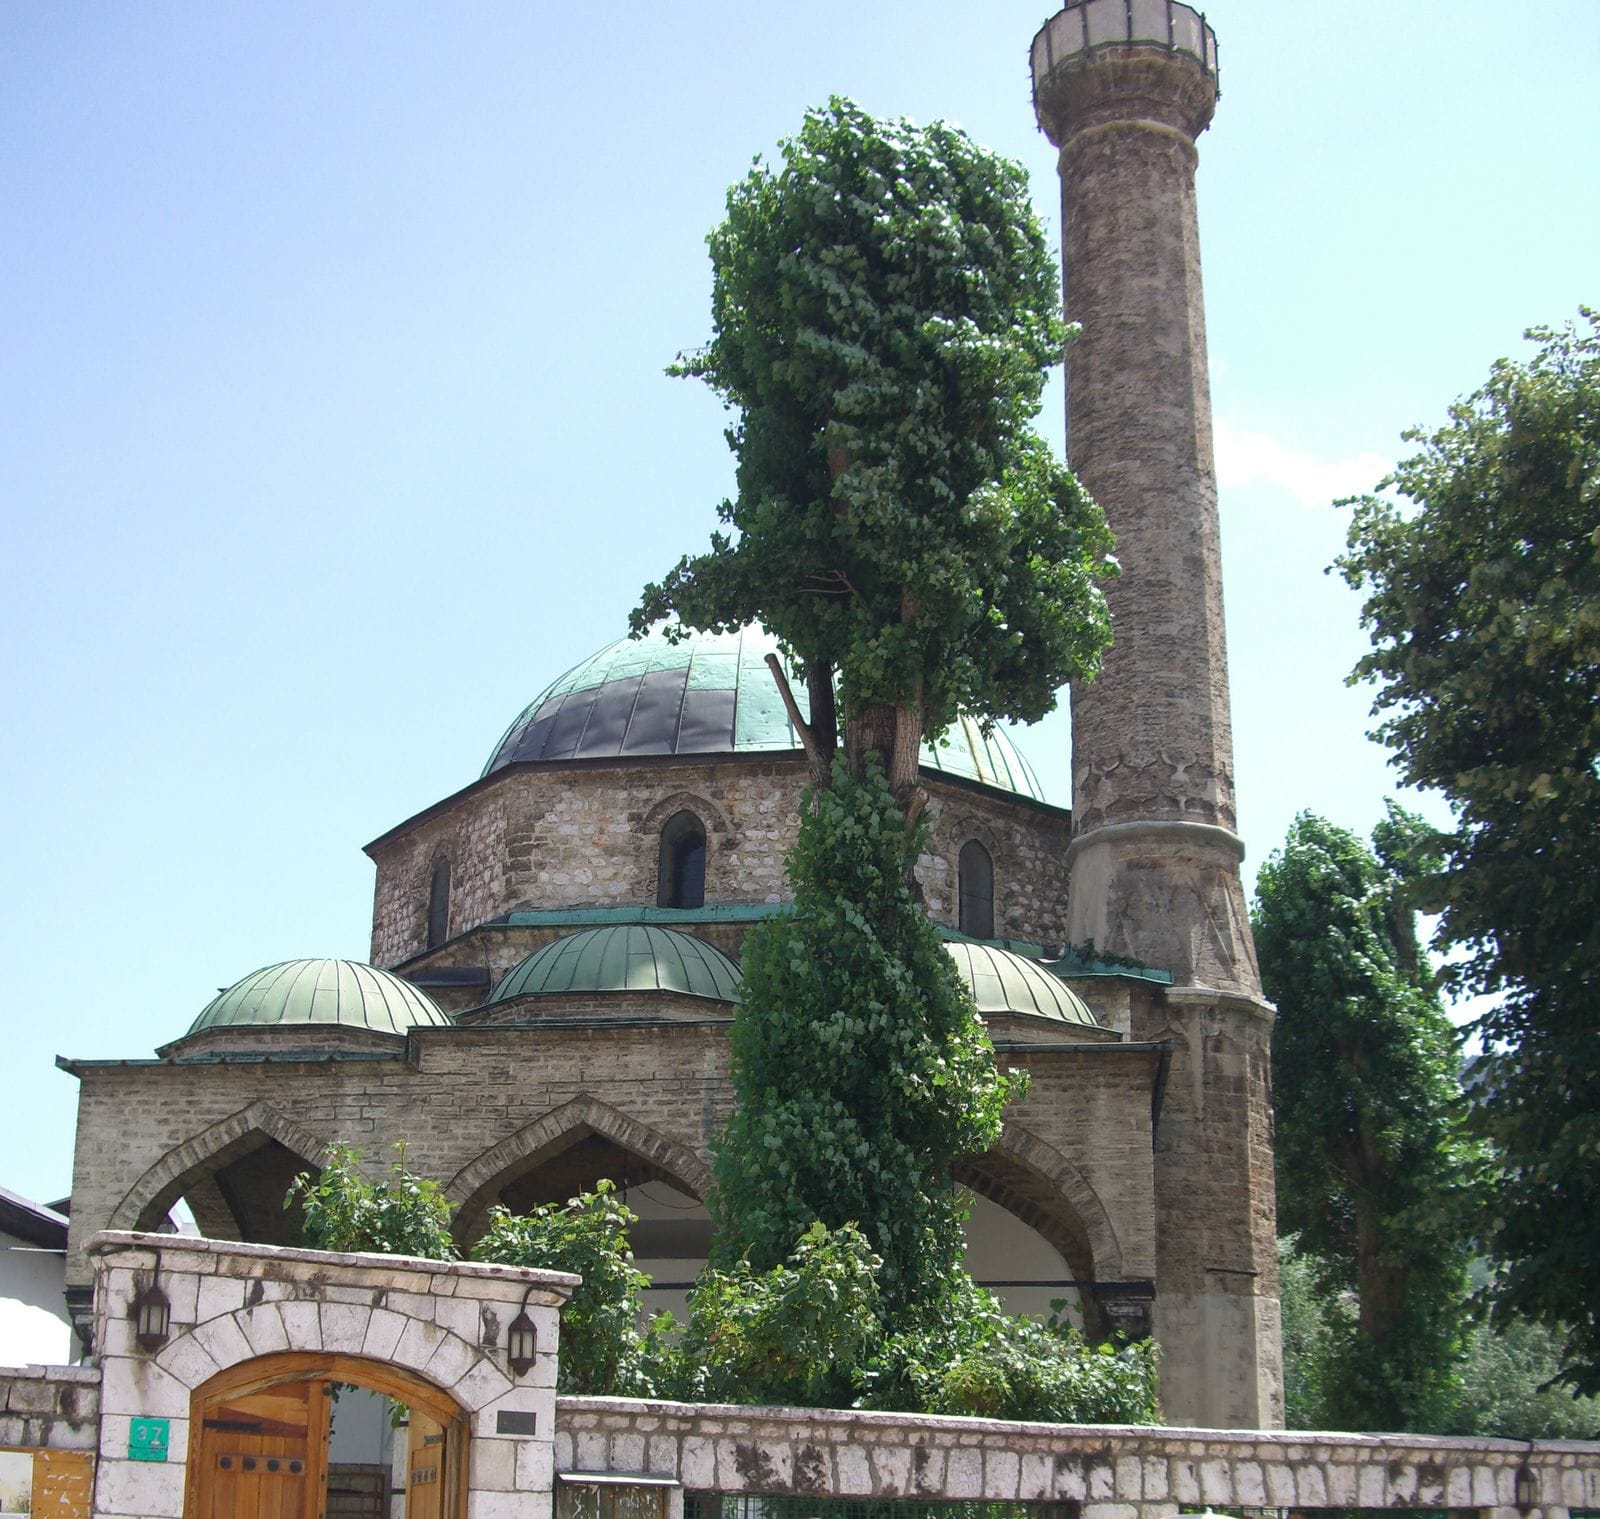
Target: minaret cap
1076,56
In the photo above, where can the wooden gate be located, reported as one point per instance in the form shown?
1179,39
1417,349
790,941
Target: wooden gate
258,1443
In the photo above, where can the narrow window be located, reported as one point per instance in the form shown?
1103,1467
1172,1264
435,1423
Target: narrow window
977,891
681,879
439,905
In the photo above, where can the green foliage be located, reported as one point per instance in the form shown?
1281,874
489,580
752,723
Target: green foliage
1314,1325
602,1351
885,308
861,1067
1483,602
794,1334
973,1358
1509,1391
400,1214
1371,1167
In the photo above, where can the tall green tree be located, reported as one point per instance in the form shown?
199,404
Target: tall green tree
862,1069
1483,602
885,310
1367,1101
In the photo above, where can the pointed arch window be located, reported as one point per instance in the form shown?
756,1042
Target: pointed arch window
976,885
439,904
681,876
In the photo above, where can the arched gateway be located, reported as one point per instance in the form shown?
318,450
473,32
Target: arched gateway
221,1366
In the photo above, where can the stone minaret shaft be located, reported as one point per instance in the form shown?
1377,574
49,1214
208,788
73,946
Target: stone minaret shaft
1155,859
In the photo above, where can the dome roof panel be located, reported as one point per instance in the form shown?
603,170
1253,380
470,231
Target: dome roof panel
341,992
1003,981
710,693
632,957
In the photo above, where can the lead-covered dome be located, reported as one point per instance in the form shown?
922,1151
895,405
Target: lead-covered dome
318,993
1002,981
632,957
709,694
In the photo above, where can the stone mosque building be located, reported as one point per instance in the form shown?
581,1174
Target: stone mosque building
554,955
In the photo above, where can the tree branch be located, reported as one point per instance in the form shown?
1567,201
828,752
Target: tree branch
819,761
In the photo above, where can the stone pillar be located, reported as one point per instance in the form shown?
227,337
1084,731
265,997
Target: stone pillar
1123,88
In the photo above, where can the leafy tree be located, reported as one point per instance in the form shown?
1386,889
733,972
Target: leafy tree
400,1214
1366,1092
884,310
1510,1391
1314,1325
1483,602
795,1334
602,1350
862,1069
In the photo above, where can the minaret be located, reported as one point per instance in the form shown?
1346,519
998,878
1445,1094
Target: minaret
1123,88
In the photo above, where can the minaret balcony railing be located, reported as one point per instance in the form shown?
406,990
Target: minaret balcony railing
1088,25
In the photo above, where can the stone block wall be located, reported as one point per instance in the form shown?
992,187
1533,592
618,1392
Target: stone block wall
1102,1472
587,835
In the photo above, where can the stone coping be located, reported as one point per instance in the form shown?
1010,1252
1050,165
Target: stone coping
726,1418
110,1241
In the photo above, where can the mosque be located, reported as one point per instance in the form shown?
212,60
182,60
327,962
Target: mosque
555,946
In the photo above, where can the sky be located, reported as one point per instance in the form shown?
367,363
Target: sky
333,421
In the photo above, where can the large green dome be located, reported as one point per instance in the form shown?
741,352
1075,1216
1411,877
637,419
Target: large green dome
318,993
631,957
710,694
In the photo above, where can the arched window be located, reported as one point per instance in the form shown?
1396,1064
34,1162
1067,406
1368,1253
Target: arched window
439,905
976,891
681,878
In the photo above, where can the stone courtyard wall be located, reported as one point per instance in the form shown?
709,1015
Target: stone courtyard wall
1100,1471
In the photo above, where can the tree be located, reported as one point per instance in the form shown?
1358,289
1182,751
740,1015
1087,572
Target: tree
602,1352
1483,602
861,1068
884,311
1367,1098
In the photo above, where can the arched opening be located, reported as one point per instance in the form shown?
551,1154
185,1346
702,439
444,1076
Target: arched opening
681,872
976,891
672,1238
320,1435
439,904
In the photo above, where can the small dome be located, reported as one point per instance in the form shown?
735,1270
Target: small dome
1002,981
709,694
321,992
629,958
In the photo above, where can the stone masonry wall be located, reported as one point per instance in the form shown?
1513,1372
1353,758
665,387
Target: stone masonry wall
49,1407
587,835
476,1104
1102,1472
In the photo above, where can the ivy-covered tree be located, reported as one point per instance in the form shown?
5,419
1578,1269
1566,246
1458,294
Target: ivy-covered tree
1367,1099
862,1069
1483,602
885,309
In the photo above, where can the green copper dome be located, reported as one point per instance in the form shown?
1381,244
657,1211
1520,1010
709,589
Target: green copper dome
634,957
315,992
710,694
1003,981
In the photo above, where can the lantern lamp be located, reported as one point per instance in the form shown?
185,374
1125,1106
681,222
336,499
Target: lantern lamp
521,1340
151,1312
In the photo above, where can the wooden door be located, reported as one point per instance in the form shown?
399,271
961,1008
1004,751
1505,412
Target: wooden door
263,1454
426,1478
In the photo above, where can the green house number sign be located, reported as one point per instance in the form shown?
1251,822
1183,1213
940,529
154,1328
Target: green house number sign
147,1439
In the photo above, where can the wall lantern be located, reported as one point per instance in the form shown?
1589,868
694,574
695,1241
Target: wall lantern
151,1312
521,1342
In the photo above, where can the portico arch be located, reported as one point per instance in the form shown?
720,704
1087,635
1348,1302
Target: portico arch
251,1129
477,1185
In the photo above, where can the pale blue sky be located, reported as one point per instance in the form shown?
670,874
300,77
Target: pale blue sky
333,422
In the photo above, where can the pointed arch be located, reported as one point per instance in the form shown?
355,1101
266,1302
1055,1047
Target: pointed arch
148,1202
474,1186
1037,1183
